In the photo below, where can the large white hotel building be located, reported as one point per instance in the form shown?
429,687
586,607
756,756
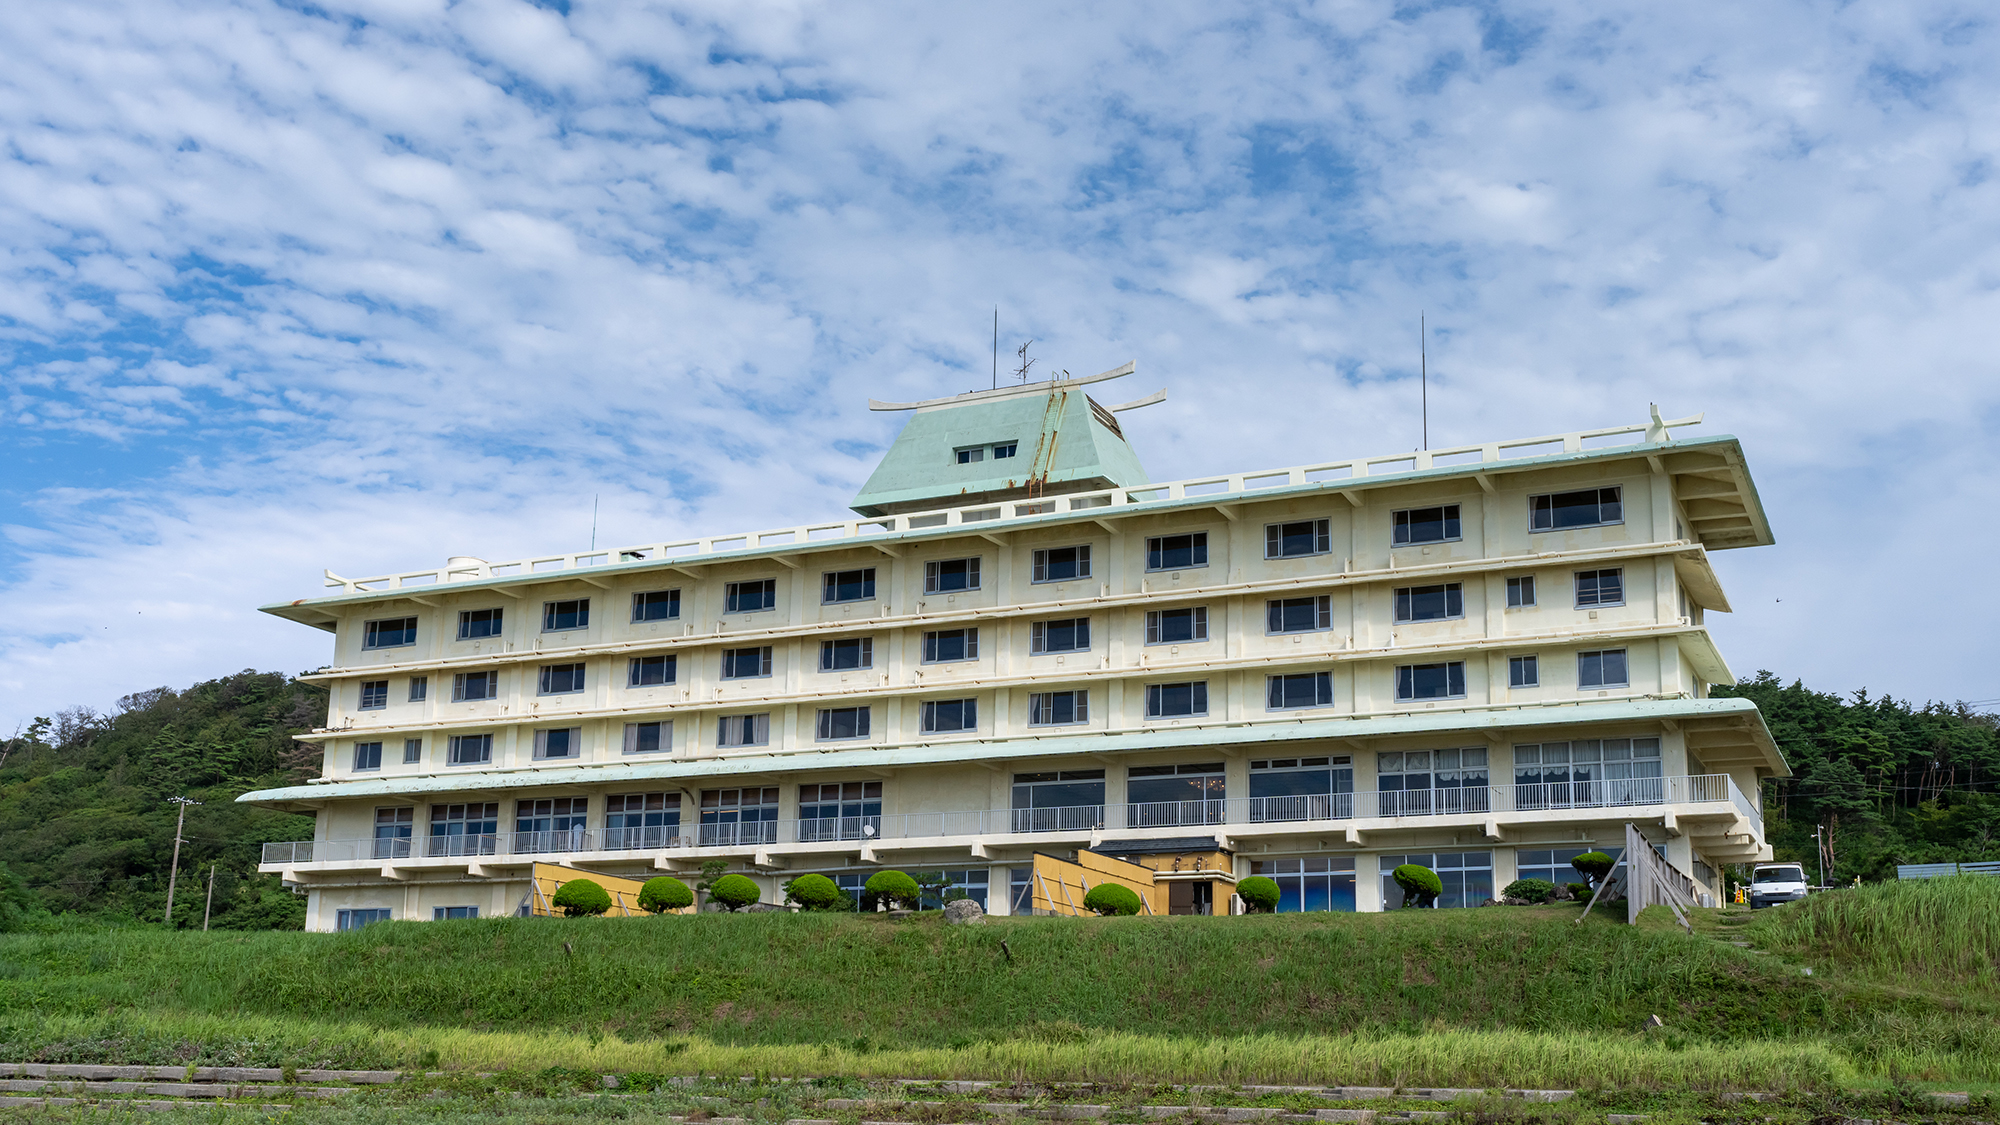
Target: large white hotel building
1485,659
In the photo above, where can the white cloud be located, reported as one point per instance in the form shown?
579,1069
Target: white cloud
368,284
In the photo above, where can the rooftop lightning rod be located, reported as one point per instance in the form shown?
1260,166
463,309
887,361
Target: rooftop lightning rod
1424,372
996,347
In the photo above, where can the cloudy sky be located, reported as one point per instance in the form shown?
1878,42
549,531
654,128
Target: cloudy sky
360,284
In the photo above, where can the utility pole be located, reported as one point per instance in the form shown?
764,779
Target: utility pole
210,904
1819,856
175,871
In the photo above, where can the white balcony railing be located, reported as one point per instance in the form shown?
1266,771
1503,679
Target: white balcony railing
1716,790
469,569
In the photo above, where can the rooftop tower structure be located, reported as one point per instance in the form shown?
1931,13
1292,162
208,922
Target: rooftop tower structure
1011,443
1486,660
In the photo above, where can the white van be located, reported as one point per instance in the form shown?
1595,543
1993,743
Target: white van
1773,883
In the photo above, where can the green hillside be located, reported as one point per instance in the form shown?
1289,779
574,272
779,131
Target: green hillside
85,822
1146,996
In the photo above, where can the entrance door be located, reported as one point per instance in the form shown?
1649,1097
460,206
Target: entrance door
1190,898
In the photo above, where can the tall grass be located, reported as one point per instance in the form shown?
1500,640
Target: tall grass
778,979
1493,1059
1927,933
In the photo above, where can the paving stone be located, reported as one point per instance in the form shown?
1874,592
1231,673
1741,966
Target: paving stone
1542,1095
1362,1115
1625,1118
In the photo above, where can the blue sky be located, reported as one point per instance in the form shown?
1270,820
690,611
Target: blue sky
362,284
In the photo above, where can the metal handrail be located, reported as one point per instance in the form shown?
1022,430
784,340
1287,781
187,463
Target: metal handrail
1076,820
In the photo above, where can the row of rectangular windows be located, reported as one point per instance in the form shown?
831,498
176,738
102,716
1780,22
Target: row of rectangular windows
1437,602
1440,524
1597,669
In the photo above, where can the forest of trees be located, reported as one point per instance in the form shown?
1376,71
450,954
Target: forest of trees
1887,781
86,827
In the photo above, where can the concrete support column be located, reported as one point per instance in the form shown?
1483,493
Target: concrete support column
1368,884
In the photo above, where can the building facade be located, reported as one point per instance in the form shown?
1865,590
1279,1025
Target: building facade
1486,660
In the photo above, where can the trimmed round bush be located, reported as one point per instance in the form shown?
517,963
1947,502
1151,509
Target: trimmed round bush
814,892
893,887
1112,898
1593,866
1259,893
664,893
1421,886
581,898
735,891
1580,891
1534,890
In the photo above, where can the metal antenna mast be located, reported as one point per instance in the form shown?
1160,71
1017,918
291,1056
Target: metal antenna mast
174,873
996,347
1026,363
1424,372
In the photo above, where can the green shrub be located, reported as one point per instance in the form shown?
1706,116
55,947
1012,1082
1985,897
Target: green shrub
1593,865
1421,886
735,891
581,898
893,887
1113,898
1259,893
664,893
1534,890
814,892
1581,891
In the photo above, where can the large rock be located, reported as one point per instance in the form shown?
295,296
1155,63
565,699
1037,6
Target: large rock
1562,894
963,911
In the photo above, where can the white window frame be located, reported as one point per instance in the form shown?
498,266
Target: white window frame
491,678
1531,664
1197,699
1005,449
932,576
497,621
444,913
732,593
572,749
420,688
1601,522
367,757
969,454
413,751
1447,665
673,598
670,665
759,733
1041,564
968,716
1197,550
867,645
1601,655
1406,595
469,750
823,724
1322,615
1521,592
926,654
373,628
630,743
1274,539
379,689
1041,705
549,615
1576,587
829,586
1038,636
1448,514
1200,625
1273,685
543,679
763,663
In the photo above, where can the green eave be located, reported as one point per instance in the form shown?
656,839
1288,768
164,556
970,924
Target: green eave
1741,713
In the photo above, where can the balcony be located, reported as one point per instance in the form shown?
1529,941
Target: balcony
1707,796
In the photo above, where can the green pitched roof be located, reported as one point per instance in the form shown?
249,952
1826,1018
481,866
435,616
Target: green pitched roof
1063,441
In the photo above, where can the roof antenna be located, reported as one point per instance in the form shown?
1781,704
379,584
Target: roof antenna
1026,363
996,347
1424,372
593,521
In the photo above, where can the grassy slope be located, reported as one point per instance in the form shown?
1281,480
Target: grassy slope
1496,995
